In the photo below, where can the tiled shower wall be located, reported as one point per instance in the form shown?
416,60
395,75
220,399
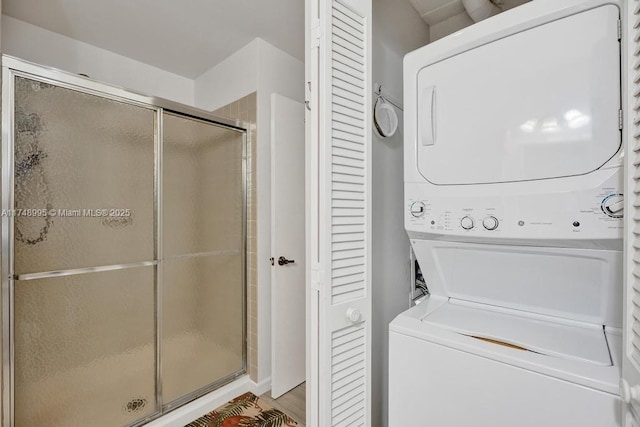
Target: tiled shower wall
245,109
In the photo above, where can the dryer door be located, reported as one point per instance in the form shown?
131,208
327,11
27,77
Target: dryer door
542,103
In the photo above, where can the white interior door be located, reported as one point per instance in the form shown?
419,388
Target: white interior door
287,245
630,384
339,212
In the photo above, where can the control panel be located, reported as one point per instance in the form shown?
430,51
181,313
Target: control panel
594,214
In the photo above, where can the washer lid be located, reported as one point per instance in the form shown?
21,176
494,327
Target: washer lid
542,103
567,340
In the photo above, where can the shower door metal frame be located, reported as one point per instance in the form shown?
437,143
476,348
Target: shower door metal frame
14,67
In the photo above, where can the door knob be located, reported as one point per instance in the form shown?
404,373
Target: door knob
283,261
354,315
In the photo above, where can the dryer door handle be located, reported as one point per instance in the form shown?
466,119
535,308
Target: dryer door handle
427,116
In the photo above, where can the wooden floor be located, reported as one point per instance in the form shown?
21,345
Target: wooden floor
292,403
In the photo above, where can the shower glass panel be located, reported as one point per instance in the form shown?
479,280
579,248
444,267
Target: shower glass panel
75,155
203,247
85,349
123,252
84,343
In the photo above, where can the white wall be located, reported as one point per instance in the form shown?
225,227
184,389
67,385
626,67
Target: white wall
260,67
397,29
231,79
35,44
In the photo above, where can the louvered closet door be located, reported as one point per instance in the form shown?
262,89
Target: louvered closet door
630,385
339,171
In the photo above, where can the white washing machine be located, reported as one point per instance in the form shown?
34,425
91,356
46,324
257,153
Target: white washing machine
513,190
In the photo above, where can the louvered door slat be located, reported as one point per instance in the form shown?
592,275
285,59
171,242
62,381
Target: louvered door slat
348,229
348,161
345,16
347,220
340,137
349,119
350,370
341,53
346,111
350,90
347,40
346,149
348,75
348,396
347,182
349,383
355,253
347,62
341,100
346,292
631,130
347,186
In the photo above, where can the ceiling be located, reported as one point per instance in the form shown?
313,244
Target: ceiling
186,37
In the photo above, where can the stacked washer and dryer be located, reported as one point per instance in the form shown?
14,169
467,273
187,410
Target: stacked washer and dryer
513,190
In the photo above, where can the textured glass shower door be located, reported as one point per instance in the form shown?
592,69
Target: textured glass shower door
123,252
203,256
84,304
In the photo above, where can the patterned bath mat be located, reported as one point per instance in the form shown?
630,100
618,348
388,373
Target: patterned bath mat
245,411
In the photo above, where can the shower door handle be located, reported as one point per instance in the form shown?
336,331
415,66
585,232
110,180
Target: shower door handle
283,261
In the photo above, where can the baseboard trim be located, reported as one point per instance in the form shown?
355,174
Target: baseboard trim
207,403
260,387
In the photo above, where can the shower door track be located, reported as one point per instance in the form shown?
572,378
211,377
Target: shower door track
14,67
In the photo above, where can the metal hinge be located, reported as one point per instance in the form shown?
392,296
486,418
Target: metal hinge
620,119
307,102
317,277
619,29
315,33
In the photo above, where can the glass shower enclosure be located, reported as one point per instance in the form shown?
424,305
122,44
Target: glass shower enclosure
123,251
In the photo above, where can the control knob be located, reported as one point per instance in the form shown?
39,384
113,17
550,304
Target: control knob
417,209
490,223
613,205
466,223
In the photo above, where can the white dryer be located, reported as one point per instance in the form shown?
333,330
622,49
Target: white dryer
513,190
